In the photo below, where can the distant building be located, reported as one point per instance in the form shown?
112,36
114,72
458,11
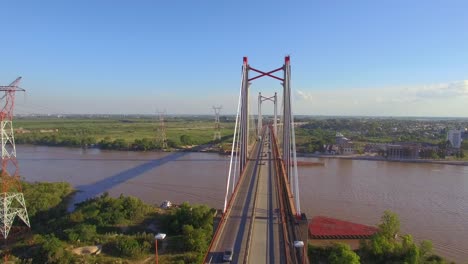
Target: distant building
340,139
455,138
344,145
347,149
331,149
402,151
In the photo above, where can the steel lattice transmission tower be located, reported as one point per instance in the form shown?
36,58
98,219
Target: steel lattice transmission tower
217,133
162,137
12,198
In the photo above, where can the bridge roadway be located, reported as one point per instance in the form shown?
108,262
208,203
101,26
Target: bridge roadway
251,226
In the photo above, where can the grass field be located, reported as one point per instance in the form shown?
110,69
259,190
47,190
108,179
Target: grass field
200,130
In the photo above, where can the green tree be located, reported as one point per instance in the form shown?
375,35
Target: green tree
425,248
410,251
119,144
41,197
386,247
172,144
53,251
129,247
383,245
139,144
443,147
200,216
342,253
315,144
82,232
108,211
186,140
194,239
390,225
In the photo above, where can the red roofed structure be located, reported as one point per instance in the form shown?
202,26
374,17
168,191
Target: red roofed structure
321,227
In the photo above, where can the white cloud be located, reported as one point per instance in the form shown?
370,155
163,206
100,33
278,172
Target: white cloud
443,99
443,90
301,95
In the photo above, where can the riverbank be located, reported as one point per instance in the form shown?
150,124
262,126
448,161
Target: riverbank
379,158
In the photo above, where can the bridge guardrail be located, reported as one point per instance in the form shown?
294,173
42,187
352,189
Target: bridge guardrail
282,170
295,231
223,217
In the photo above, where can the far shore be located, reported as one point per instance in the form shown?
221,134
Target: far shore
378,158
208,148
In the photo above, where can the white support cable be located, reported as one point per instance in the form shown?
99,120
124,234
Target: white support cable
236,159
259,114
241,135
296,174
280,136
233,144
275,115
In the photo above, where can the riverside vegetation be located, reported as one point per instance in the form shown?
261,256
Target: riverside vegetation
140,133
124,227
118,133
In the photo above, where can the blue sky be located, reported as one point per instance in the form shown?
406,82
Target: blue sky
348,57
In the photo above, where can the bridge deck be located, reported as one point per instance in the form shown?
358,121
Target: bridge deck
251,226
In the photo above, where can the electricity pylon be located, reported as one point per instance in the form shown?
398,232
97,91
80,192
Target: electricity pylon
162,137
11,199
217,127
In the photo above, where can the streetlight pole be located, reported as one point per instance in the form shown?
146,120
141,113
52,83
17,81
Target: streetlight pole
159,236
305,254
156,249
300,245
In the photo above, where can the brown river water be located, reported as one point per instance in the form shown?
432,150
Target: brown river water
431,199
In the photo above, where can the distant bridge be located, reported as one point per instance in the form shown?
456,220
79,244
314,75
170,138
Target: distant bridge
262,220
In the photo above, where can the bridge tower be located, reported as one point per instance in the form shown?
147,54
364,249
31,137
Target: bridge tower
12,198
262,99
241,142
289,137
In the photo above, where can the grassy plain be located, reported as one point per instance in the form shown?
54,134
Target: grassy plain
200,130
127,132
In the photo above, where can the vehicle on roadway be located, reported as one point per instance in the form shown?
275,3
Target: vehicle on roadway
228,254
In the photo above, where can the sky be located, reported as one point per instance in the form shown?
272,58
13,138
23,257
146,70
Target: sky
384,58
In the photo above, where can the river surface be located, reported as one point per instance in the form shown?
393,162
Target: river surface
431,199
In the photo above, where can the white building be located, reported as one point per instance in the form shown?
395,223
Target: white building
455,138
340,139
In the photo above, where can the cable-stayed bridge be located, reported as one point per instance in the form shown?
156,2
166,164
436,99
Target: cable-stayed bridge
262,220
